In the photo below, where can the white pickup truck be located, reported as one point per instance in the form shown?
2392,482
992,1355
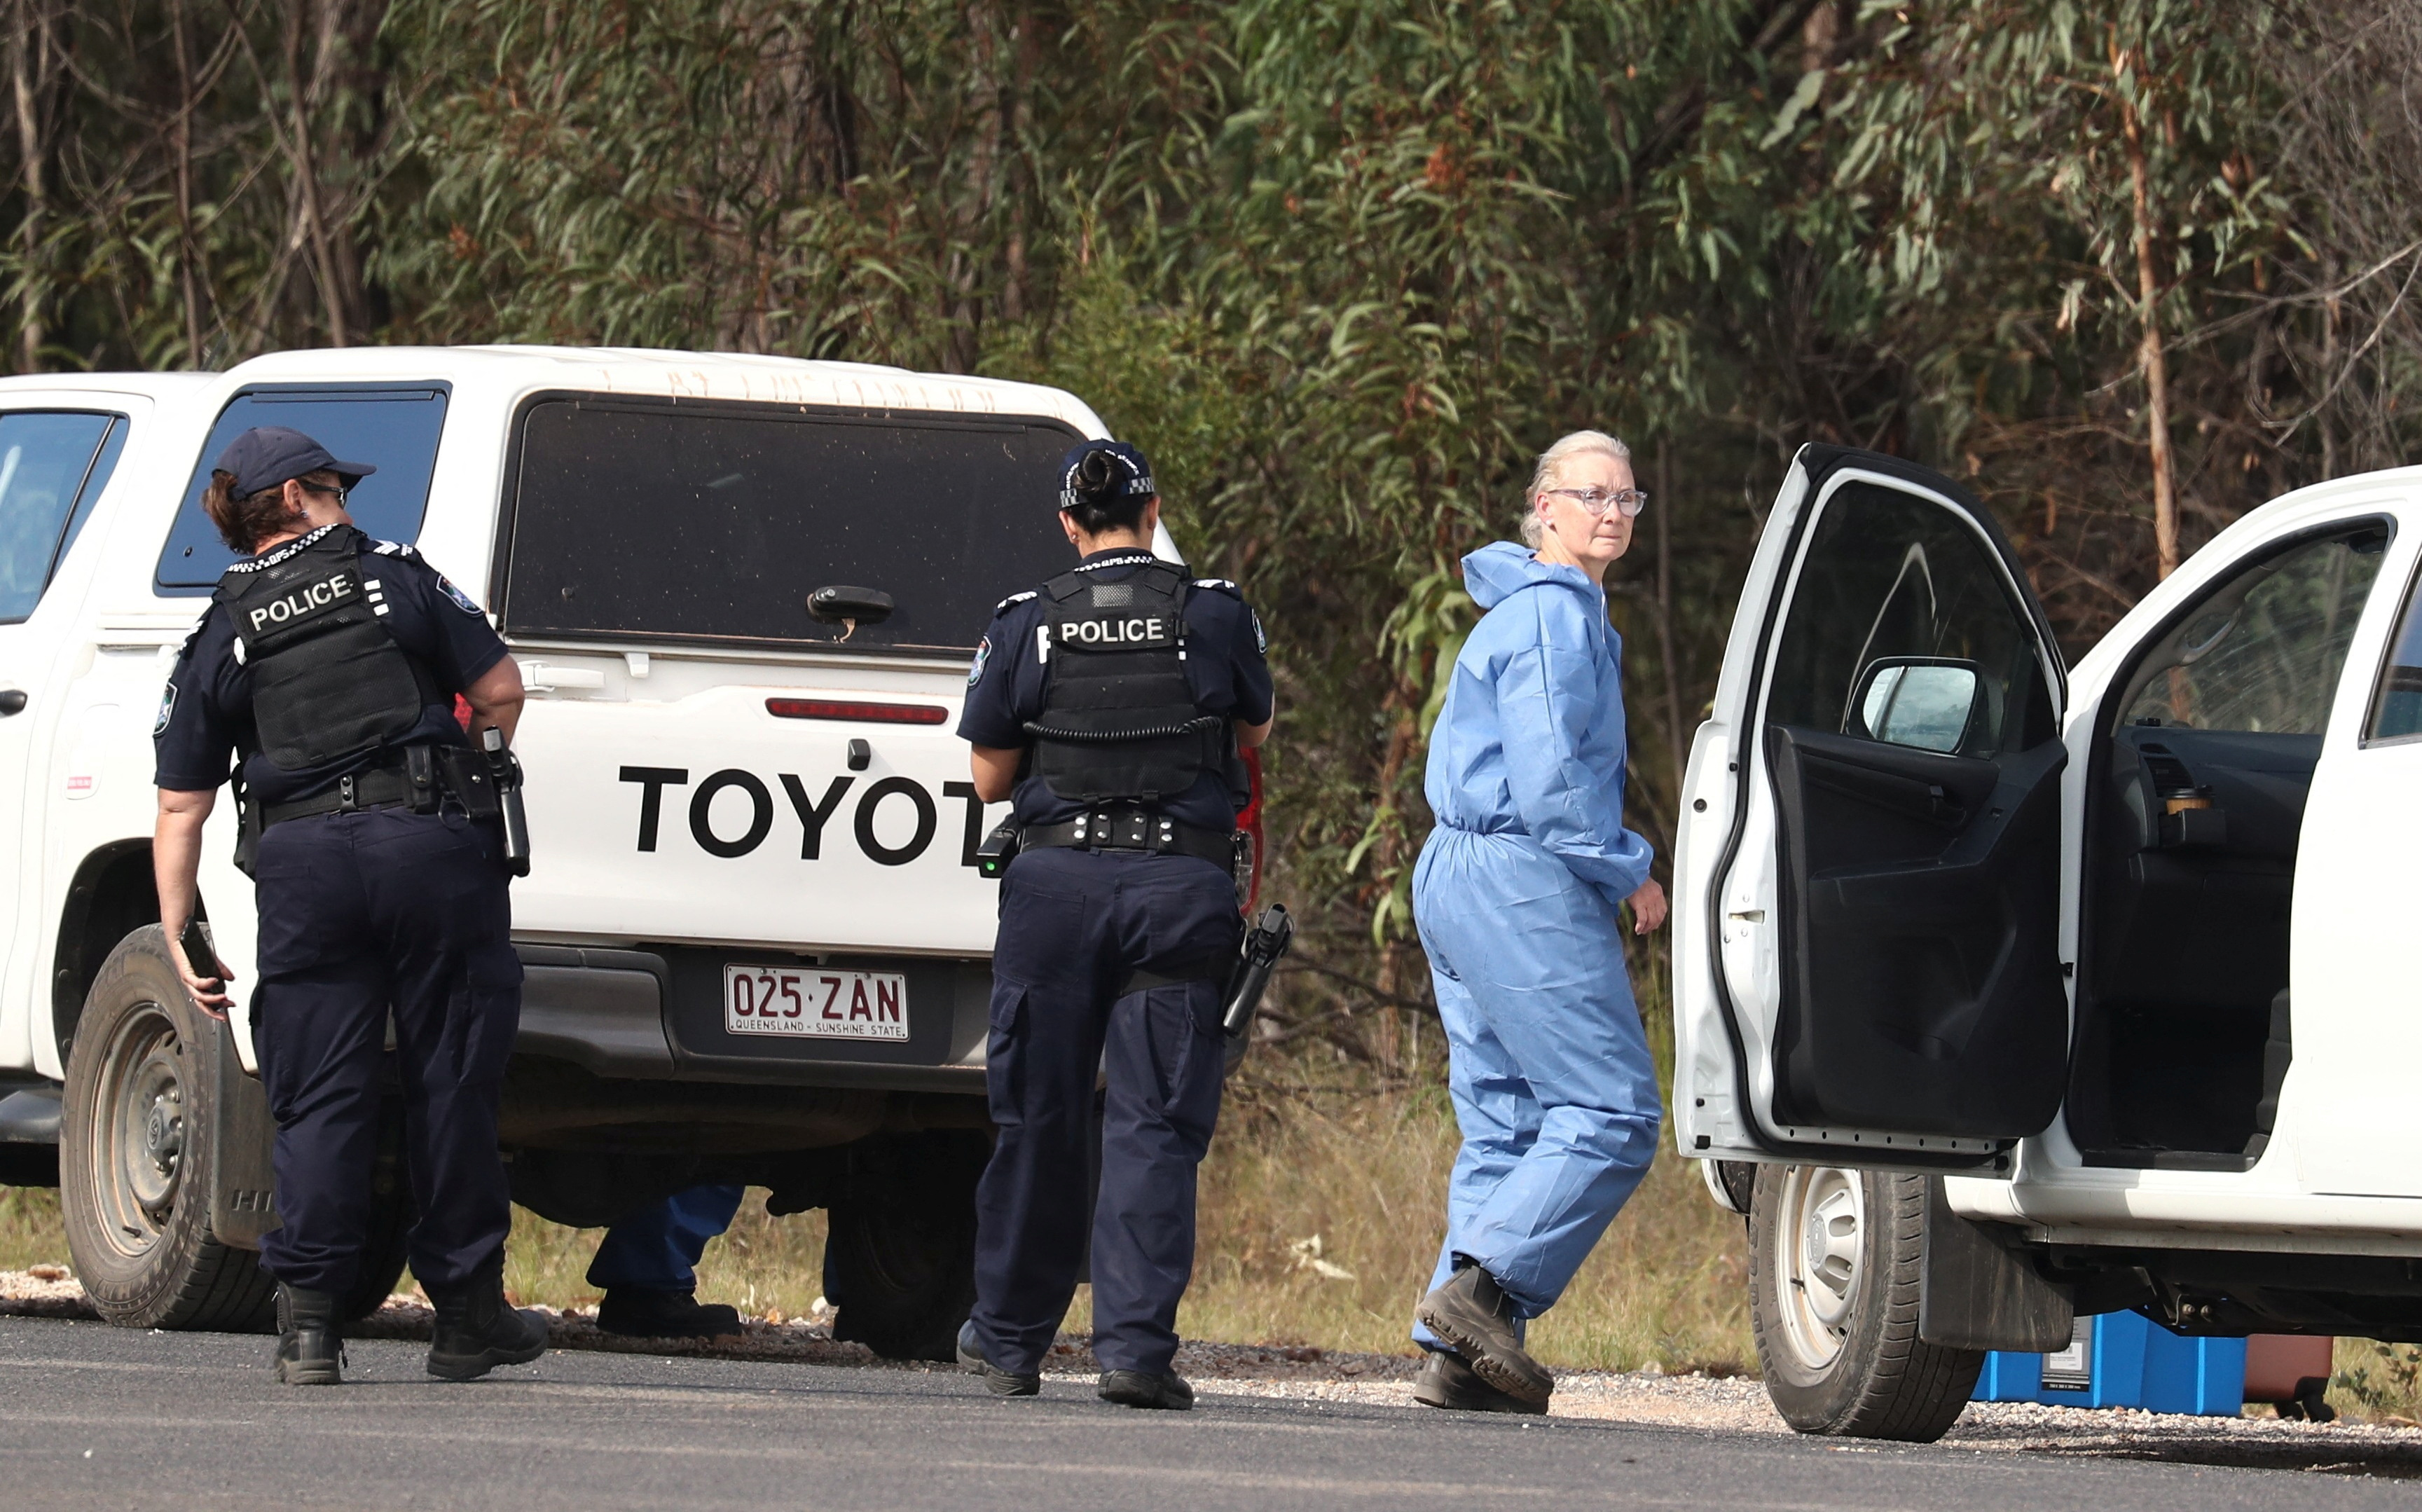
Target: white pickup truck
2007,992
755,935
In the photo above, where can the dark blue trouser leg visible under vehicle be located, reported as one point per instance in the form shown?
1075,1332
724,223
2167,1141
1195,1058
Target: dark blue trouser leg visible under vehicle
1073,926
658,1250
359,913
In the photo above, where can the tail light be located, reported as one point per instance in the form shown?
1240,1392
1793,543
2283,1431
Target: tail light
1250,821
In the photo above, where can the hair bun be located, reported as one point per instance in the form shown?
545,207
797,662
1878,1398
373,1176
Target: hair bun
1098,476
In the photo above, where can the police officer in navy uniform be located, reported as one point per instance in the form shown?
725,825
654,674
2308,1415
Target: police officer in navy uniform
1110,704
329,663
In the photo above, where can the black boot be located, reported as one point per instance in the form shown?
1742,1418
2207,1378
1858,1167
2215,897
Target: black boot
1471,1313
1446,1381
477,1331
997,1380
1166,1392
645,1313
310,1352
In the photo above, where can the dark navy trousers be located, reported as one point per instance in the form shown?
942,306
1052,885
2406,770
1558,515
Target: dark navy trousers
361,913
658,1250
1073,925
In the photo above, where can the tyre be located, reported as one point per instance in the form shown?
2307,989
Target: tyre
137,1160
1837,1261
900,1251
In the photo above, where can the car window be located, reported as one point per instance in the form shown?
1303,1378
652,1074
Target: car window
394,430
2397,706
2262,653
52,466
632,519
1900,612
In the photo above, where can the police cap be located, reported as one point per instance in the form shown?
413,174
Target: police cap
268,455
1131,474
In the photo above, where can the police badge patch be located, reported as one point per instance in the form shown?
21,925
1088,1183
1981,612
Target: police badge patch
461,599
167,707
983,653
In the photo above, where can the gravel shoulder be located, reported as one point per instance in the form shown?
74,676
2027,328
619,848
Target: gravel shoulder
1645,1397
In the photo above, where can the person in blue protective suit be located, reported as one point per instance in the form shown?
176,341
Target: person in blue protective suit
1517,896
647,1266
1109,705
330,662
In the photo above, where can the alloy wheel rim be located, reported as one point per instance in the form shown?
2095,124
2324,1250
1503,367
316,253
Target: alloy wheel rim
1824,1214
143,1130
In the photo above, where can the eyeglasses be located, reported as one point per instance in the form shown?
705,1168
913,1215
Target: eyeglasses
344,495
1630,500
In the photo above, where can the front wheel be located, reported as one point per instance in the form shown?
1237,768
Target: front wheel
1837,1263
138,1155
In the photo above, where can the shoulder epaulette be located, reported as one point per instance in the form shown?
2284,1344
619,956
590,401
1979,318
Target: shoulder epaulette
393,548
1002,608
1221,584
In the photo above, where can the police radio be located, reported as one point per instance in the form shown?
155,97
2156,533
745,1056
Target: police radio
508,769
999,848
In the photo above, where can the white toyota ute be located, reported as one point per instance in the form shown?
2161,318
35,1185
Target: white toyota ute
742,591
2009,993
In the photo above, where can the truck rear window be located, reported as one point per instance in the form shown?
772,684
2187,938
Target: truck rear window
393,429
636,520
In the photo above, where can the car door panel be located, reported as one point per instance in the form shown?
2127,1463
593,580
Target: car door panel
1918,899
1869,967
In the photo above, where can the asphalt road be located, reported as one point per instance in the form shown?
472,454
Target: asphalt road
93,1416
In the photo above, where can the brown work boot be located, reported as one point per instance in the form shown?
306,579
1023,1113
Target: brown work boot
1447,1382
1471,1313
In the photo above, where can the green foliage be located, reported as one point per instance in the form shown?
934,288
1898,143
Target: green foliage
2387,1384
1343,269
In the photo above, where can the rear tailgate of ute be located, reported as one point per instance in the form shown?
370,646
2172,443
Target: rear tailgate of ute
729,827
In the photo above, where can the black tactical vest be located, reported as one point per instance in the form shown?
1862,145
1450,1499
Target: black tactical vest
1119,719
328,681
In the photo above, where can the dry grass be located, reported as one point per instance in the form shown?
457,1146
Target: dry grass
1365,1178
1366,1174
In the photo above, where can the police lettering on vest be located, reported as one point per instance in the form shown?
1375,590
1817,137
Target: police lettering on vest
303,600
328,681
1152,633
1119,718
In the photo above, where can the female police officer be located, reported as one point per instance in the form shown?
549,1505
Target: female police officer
1110,704
330,662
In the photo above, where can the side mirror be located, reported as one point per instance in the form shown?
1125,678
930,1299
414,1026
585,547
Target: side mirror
1928,702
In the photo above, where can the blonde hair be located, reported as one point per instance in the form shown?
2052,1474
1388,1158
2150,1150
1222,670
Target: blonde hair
1553,458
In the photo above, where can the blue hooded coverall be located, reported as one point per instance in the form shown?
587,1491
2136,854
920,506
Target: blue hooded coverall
1515,897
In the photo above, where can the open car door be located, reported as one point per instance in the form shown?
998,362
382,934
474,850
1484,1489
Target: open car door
1866,952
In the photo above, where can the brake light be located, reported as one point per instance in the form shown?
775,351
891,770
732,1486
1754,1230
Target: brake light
1250,821
899,714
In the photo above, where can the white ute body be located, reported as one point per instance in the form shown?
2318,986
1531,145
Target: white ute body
891,876
2123,952
756,942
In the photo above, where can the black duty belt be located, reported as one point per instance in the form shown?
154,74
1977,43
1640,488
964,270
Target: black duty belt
1134,831
385,787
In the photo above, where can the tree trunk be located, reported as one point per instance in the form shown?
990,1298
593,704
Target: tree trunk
1677,744
189,272
33,68
306,94
2151,354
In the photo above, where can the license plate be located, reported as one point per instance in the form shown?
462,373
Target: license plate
815,1004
